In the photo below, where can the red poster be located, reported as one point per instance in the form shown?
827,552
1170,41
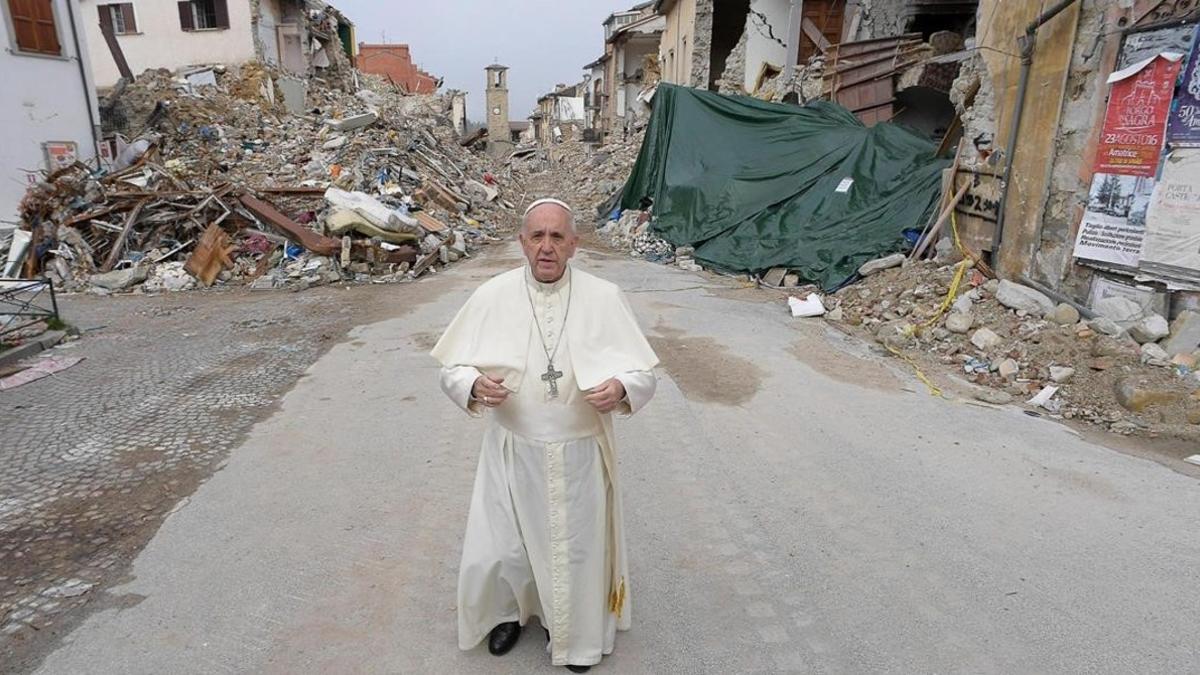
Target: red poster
1136,120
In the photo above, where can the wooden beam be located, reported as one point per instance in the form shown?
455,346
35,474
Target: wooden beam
319,244
810,29
119,244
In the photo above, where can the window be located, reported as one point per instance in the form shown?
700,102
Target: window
34,27
203,15
120,16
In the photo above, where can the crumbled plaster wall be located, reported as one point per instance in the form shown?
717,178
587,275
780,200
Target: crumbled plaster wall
734,75
882,18
1067,190
702,43
979,118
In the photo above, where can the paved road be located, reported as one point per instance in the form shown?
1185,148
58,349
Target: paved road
794,505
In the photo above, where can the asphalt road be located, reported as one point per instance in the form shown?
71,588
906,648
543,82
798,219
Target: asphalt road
794,505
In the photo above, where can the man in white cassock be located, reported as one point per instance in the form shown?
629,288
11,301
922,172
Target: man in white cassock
550,351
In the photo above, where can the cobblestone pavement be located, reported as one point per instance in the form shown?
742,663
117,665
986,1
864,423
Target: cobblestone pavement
93,459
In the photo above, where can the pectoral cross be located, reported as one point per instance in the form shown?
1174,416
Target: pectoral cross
550,377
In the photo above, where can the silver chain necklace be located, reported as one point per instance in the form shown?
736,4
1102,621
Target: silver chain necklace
551,376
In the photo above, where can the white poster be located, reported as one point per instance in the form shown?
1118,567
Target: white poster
1114,222
1173,223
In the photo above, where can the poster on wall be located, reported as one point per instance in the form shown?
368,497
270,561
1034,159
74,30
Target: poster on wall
60,154
1183,127
1114,222
1138,105
1172,242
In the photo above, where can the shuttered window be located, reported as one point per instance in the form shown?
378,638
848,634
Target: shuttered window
120,16
203,15
34,27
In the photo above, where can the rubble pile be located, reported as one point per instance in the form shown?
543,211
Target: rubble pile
580,173
222,183
1127,369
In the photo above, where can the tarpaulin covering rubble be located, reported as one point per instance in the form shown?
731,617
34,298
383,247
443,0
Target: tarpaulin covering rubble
754,185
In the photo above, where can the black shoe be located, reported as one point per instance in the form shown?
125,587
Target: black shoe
503,637
547,635
579,669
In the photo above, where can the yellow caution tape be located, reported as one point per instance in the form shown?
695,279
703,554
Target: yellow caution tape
951,295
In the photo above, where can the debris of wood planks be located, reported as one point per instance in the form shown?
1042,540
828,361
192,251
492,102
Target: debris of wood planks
424,263
118,246
211,255
317,243
430,223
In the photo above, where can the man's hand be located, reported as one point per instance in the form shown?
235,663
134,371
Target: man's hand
489,391
606,397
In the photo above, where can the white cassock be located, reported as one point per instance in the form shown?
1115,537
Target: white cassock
544,535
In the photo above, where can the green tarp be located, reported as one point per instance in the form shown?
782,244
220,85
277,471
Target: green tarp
754,185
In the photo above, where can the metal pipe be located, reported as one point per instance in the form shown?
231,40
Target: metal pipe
87,88
795,17
1027,44
1058,297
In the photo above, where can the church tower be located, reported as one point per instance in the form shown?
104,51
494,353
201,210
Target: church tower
499,137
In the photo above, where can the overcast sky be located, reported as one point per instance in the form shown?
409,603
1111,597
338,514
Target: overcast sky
543,42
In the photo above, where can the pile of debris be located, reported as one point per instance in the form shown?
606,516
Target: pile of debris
586,176
230,179
1127,368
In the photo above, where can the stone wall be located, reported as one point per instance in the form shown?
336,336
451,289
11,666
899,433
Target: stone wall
702,47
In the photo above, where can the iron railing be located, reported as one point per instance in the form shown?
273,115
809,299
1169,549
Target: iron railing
24,302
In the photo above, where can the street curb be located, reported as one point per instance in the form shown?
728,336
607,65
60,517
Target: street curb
42,342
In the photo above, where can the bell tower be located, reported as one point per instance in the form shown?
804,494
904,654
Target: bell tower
499,137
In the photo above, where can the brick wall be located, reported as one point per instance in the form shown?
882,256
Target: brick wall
395,61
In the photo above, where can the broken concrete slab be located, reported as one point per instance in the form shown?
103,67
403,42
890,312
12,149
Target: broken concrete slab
1103,324
121,279
353,122
1151,328
774,276
1153,355
1008,369
986,339
880,264
1122,310
295,94
1023,298
1185,334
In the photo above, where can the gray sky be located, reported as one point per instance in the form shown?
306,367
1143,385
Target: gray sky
543,42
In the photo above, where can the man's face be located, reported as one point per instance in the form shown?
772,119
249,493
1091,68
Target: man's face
549,242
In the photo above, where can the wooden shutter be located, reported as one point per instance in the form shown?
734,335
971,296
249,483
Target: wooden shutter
130,19
33,24
185,16
222,10
106,24
46,29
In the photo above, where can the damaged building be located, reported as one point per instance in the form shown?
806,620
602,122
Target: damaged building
630,63
1075,139
395,62
300,37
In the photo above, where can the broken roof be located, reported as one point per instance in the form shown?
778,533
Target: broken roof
654,23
